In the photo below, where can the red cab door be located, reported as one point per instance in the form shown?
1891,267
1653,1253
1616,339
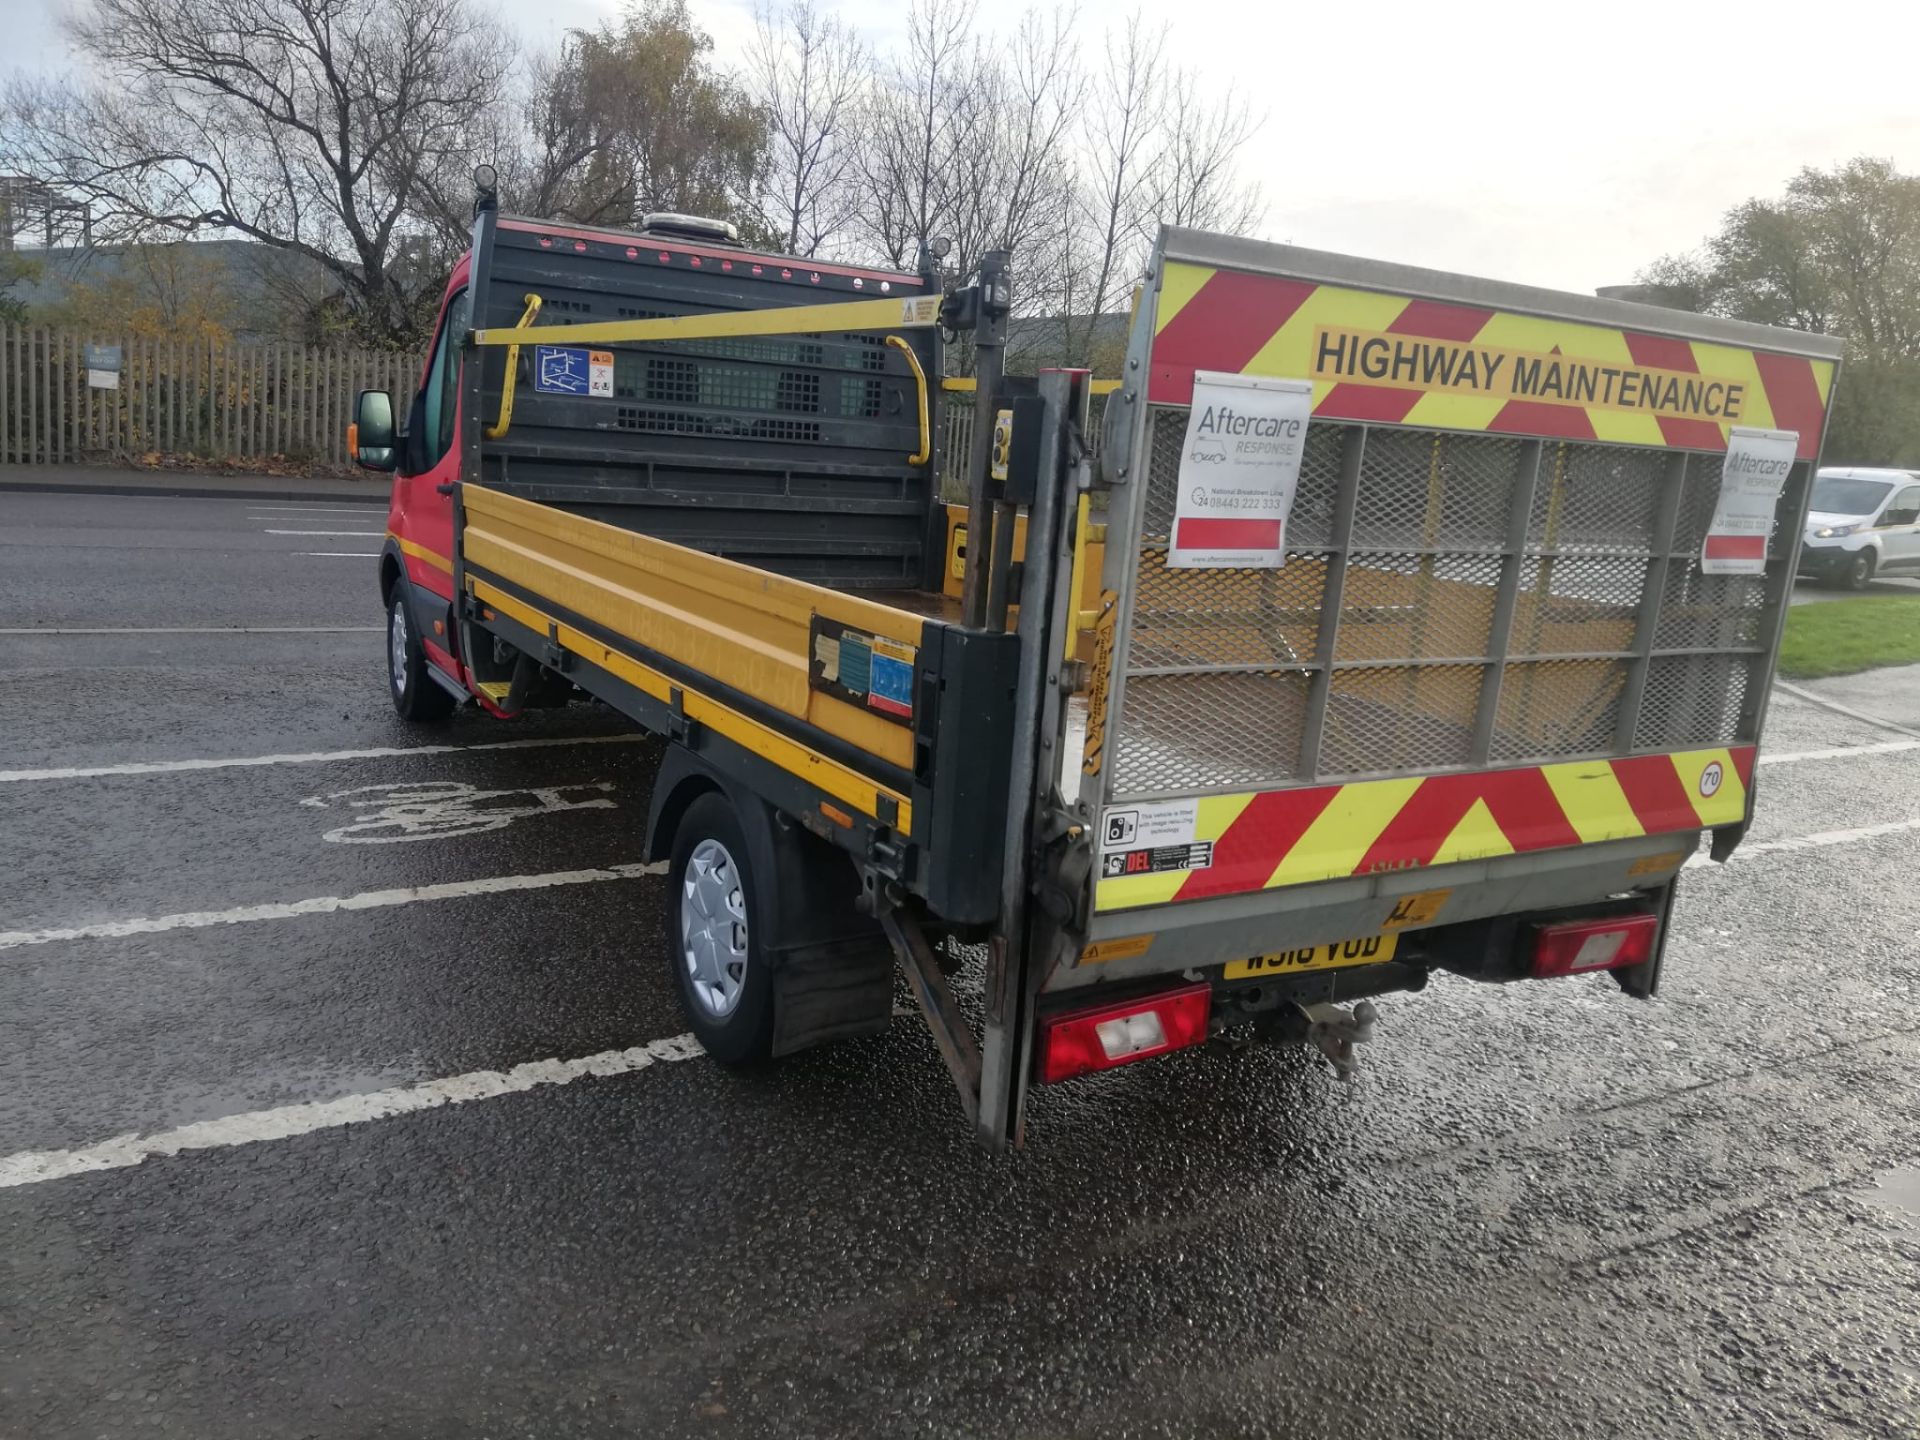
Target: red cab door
421,515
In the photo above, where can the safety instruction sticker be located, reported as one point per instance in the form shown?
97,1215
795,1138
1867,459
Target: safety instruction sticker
866,670
1756,467
563,370
1238,469
890,677
1152,839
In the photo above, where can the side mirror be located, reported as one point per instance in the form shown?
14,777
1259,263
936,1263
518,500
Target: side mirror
371,437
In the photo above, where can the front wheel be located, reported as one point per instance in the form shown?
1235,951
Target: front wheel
715,944
416,695
1859,572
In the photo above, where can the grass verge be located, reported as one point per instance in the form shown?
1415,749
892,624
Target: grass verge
1839,637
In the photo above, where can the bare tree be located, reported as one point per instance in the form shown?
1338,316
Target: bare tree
1120,194
1008,184
810,74
971,140
1155,150
915,126
308,125
1197,182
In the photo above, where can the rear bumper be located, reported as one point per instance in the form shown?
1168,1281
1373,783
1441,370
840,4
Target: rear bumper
1205,934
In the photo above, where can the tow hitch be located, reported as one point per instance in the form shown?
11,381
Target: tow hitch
1335,1031
1331,1029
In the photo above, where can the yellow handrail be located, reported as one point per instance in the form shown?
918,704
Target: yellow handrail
914,312
1082,619
498,431
966,384
925,452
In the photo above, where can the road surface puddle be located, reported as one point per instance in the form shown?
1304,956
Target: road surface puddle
1898,1193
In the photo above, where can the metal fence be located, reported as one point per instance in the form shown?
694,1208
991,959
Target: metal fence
209,398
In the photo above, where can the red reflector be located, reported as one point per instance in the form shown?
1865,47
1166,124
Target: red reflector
1102,1037
1580,945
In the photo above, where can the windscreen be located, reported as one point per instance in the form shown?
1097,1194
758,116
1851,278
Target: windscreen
1833,495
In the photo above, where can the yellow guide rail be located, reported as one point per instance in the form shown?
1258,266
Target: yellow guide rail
913,312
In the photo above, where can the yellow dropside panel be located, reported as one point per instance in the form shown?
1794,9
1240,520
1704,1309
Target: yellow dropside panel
747,628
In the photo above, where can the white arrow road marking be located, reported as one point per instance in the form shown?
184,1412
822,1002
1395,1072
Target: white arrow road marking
325,905
32,1167
434,809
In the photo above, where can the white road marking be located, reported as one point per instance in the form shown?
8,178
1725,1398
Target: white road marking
325,905
195,630
1834,705
436,809
260,512
340,554
1841,752
33,1167
377,752
337,534
1750,848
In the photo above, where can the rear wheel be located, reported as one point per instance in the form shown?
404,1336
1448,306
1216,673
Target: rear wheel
416,694
717,950
1859,572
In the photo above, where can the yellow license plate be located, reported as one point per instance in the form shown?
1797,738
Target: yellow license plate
1370,951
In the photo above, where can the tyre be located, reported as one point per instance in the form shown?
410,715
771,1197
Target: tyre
416,694
714,939
1859,572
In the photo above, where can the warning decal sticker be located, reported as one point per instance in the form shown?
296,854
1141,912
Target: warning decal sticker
1152,839
563,370
870,671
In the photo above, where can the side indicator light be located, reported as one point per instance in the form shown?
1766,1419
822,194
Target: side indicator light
1105,1037
1577,946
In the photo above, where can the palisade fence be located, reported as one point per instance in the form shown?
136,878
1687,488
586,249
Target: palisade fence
214,399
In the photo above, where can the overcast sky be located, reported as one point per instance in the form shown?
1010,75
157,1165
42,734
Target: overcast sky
1552,143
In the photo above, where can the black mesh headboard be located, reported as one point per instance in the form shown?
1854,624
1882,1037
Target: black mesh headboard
789,452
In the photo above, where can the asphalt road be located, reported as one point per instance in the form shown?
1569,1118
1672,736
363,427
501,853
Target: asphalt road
1543,1210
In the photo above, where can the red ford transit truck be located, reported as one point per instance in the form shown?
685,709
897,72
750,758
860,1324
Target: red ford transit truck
1378,622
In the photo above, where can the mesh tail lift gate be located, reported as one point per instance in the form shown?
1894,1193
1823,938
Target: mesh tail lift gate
1525,592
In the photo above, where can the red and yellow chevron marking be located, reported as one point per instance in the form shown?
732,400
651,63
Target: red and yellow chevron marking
1291,837
1388,359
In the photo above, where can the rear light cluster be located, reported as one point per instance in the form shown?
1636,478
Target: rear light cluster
1574,947
1104,1037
